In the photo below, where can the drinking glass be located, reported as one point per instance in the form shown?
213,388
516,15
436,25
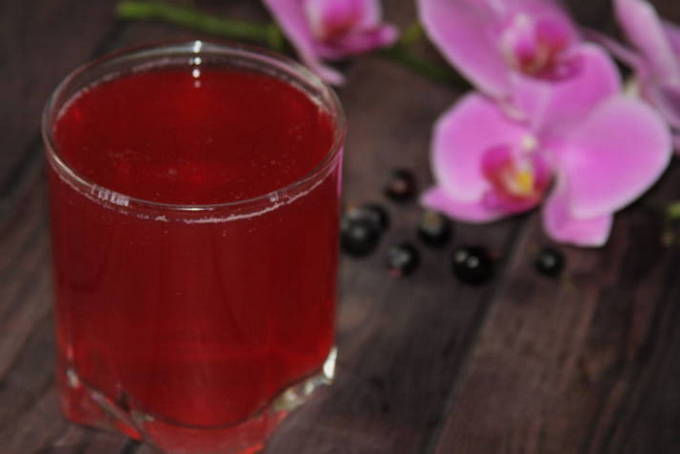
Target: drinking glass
196,327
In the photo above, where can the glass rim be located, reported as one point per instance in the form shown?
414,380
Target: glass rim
249,52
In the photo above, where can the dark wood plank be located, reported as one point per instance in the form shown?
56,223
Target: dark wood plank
556,363
41,41
30,420
39,47
643,409
26,351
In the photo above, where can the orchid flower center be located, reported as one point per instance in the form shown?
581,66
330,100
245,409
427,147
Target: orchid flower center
517,174
534,46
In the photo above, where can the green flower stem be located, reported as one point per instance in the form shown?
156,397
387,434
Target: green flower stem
267,34
401,53
414,33
673,211
271,36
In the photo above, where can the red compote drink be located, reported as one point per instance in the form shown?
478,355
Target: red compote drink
194,209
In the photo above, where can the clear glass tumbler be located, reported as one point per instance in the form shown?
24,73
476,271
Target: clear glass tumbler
194,322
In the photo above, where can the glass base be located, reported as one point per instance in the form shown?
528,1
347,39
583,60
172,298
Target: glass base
84,405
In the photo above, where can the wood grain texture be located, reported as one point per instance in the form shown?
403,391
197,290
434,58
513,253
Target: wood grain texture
30,420
557,365
40,41
586,364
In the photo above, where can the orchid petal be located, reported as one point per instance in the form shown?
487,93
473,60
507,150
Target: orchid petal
364,13
540,8
534,8
559,104
476,211
644,29
328,14
618,50
293,20
463,30
563,227
470,34
673,35
461,137
372,13
666,98
324,72
620,150
327,17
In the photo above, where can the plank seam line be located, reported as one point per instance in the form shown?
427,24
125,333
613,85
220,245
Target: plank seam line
469,341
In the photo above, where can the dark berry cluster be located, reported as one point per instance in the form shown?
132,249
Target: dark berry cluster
363,226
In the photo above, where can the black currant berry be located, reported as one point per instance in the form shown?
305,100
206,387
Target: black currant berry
549,262
434,229
371,212
401,185
402,259
358,237
472,265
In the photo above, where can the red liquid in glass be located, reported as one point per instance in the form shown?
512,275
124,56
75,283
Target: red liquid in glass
195,323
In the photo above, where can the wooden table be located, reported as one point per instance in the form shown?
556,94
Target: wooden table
588,363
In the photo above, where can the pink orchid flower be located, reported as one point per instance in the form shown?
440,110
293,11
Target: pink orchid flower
492,42
332,30
582,147
657,60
